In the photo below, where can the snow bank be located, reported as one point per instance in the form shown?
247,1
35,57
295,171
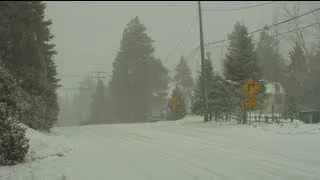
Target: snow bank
291,128
44,145
45,149
286,127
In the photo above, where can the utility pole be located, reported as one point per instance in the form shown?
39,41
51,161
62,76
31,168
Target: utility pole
276,83
99,75
204,78
221,62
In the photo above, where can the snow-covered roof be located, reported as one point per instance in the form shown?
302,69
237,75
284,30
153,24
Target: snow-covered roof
171,87
270,88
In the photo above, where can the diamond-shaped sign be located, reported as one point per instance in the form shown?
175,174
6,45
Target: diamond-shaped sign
173,101
251,86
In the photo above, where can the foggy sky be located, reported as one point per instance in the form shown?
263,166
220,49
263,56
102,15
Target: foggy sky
88,34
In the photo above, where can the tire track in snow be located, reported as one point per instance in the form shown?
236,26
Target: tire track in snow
261,157
188,166
229,144
166,156
265,165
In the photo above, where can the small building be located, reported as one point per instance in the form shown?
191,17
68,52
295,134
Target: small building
310,116
159,105
276,96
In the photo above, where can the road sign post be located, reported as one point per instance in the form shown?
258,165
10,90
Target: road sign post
173,103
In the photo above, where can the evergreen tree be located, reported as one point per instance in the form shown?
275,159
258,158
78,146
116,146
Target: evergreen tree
296,79
292,108
241,63
298,65
183,74
81,105
28,55
13,143
314,78
269,58
180,110
99,105
219,98
184,79
136,74
198,106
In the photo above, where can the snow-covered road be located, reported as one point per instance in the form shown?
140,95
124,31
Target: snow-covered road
183,150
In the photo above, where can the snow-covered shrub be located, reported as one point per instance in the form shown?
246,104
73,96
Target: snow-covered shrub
13,143
39,115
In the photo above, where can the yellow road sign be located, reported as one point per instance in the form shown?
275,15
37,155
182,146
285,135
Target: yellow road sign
173,101
250,101
251,86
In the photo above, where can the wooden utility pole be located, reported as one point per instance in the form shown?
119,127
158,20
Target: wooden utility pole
276,84
204,78
99,75
221,62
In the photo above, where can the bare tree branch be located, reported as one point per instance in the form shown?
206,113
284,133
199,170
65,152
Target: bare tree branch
299,32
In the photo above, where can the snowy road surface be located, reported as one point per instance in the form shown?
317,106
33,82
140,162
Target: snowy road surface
182,150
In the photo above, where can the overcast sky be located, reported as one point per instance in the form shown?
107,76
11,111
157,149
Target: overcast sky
88,34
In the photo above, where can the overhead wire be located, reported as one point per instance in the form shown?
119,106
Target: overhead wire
241,8
182,40
255,31
270,26
286,32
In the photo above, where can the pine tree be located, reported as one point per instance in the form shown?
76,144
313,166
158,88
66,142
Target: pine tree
180,110
314,77
28,55
99,105
269,59
13,143
81,105
183,74
198,106
241,63
183,78
292,108
136,74
295,83
298,65
219,93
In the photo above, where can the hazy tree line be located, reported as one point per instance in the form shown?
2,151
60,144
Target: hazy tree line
137,73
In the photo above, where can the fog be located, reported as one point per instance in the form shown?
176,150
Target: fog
159,90
88,34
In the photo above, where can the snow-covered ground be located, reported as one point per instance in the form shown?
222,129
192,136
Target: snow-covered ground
177,150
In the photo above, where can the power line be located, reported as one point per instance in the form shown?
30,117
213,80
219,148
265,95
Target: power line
280,34
261,29
242,8
273,25
193,53
176,47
